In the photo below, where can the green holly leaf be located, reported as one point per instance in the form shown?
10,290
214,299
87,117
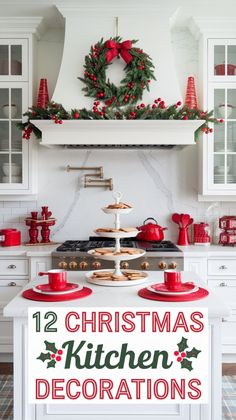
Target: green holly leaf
186,364
51,364
50,346
193,353
182,345
44,356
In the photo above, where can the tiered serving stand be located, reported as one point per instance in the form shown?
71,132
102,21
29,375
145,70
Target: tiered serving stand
117,257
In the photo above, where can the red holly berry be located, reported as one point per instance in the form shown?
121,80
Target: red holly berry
142,105
138,106
211,130
53,356
185,117
183,354
176,353
58,358
179,103
76,115
156,101
60,121
221,120
179,359
133,97
60,352
154,106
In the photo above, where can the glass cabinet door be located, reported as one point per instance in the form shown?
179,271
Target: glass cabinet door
11,143
13,60
224,153
222,55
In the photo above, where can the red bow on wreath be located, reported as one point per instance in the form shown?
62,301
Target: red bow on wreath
118,48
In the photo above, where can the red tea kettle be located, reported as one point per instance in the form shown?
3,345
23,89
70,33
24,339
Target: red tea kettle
150,231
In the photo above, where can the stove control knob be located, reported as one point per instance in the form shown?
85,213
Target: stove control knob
162,265
73,265
125,265
96,265
83,265
145,265
172,265
62,264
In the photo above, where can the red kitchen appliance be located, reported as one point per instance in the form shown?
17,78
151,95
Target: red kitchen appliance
201,234
228,235
150,231
10,237
220,69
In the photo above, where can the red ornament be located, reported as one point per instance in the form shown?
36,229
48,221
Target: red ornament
191,97
43,97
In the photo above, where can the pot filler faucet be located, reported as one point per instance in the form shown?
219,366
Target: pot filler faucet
95,179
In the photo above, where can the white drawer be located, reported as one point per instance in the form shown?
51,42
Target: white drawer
14,267
221,267
9,289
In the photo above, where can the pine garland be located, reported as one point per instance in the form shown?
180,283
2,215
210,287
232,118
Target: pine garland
156,111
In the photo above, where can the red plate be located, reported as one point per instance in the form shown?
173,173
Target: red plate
45,288
200,294
30,294
185,287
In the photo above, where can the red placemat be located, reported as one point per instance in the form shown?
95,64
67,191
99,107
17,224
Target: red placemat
200,294
32,295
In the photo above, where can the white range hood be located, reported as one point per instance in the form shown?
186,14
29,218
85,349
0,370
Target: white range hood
118,132
86,22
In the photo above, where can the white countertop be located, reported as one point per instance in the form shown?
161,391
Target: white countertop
103,296
27,250
189,251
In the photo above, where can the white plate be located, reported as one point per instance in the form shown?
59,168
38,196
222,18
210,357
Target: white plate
77,289
125,257
195,289
117,235
114,283
117,211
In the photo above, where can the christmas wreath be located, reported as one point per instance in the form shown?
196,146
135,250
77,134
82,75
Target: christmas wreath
138,72
112,102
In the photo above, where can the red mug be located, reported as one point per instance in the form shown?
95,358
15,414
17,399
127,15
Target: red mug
56,278
172,279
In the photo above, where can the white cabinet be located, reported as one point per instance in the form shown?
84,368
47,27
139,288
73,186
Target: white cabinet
38,264
198,265
17,155
14,274
217,77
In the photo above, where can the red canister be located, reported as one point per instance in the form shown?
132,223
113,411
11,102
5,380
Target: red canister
10,237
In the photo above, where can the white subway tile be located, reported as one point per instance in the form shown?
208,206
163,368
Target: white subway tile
10,219
21,211
5,211
29,204
11,204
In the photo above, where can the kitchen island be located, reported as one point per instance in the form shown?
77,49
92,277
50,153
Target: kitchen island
115,297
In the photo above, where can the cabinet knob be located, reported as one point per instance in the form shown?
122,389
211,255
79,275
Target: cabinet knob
223,284
12,266
12,283
223,267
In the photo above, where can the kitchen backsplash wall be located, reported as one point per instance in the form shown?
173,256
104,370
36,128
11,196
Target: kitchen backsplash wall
156,182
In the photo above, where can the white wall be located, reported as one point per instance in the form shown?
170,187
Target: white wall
157,183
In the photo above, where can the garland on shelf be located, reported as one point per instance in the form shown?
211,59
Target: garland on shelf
138,72
112,102
156,111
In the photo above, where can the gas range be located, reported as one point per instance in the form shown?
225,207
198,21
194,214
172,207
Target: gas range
72,255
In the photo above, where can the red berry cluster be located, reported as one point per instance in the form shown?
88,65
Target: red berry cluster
100,111
57,358
132,115
110,101
56,119
100,95
179,355
27,133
